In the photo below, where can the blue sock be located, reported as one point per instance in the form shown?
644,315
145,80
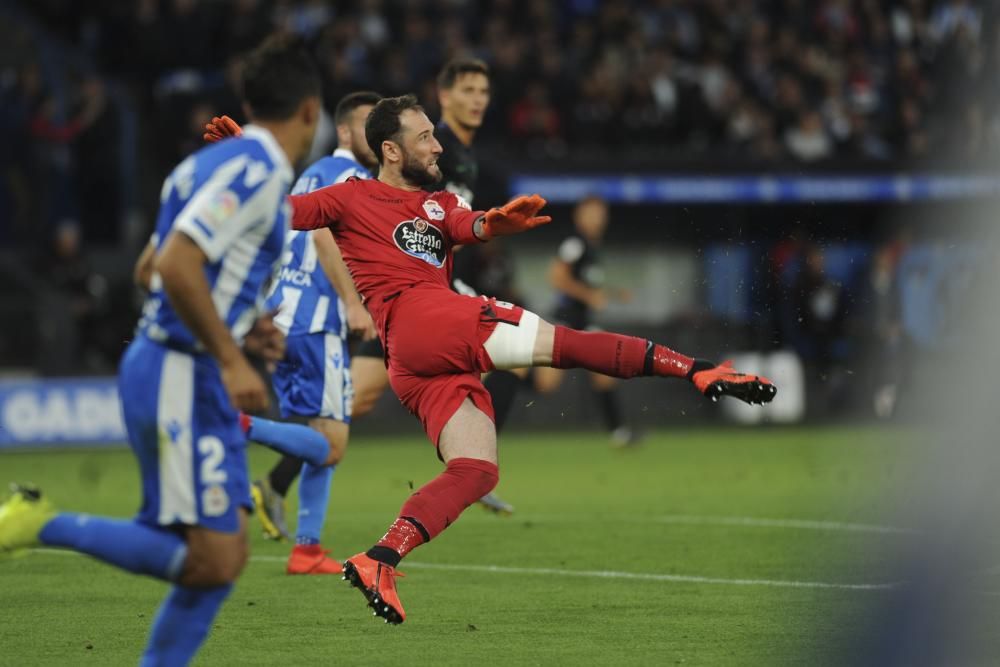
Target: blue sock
314,496
181,625
129,545
295,439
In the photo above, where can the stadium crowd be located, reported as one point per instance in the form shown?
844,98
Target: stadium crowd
756,79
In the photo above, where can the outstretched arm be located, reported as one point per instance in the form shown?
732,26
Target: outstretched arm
561,278
319,208
309,211
359,321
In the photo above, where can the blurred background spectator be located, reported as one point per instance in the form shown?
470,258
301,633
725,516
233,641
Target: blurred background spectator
762,81
72,300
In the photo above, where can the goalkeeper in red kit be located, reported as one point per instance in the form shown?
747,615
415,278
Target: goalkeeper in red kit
397,240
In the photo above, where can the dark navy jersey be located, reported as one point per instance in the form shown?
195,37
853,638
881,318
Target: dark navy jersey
585,266
458,164
459,173
485,268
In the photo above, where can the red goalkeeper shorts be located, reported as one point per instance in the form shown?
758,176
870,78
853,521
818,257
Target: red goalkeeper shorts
435,351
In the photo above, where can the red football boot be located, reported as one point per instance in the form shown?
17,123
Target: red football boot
378,583
723,380
311,559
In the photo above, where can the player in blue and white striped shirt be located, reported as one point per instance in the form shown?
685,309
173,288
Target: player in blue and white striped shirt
221,230
317,305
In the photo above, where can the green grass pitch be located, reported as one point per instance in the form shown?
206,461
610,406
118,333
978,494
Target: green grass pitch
709,547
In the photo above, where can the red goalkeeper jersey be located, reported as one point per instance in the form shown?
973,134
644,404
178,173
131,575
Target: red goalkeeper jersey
391,239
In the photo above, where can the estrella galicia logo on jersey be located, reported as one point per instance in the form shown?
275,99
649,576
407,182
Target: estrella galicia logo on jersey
433,210
418,238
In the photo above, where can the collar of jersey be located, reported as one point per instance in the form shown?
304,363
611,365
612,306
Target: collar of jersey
272,147
444,127
345,153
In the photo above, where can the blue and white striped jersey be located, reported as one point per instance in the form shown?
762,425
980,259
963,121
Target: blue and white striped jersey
230,199
303,295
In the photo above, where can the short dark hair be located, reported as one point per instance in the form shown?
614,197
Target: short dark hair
454,68
277,76
349,103
383,122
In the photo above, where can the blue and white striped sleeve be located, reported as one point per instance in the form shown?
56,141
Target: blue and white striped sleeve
241,194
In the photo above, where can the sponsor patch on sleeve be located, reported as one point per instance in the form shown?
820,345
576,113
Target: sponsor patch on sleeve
221,207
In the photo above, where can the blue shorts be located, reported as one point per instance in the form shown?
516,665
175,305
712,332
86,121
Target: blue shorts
187,437
314,378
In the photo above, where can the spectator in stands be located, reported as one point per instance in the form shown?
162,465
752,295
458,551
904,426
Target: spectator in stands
955,17
71,300
534,118
691,79
808,140
911,139
864,141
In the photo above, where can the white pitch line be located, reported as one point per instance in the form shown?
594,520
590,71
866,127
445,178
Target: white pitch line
586,574
644,576
806,524
739,521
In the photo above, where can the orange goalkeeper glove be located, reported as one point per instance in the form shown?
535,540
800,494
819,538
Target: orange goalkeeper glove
221,128
518,215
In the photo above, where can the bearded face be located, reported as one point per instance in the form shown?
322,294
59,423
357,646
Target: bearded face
421,172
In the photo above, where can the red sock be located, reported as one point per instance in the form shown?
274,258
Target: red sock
437,504
616,355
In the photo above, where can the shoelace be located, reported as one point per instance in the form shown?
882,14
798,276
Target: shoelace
393,571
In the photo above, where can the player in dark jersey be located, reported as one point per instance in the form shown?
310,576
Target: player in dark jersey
464,94
578,277
397,240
